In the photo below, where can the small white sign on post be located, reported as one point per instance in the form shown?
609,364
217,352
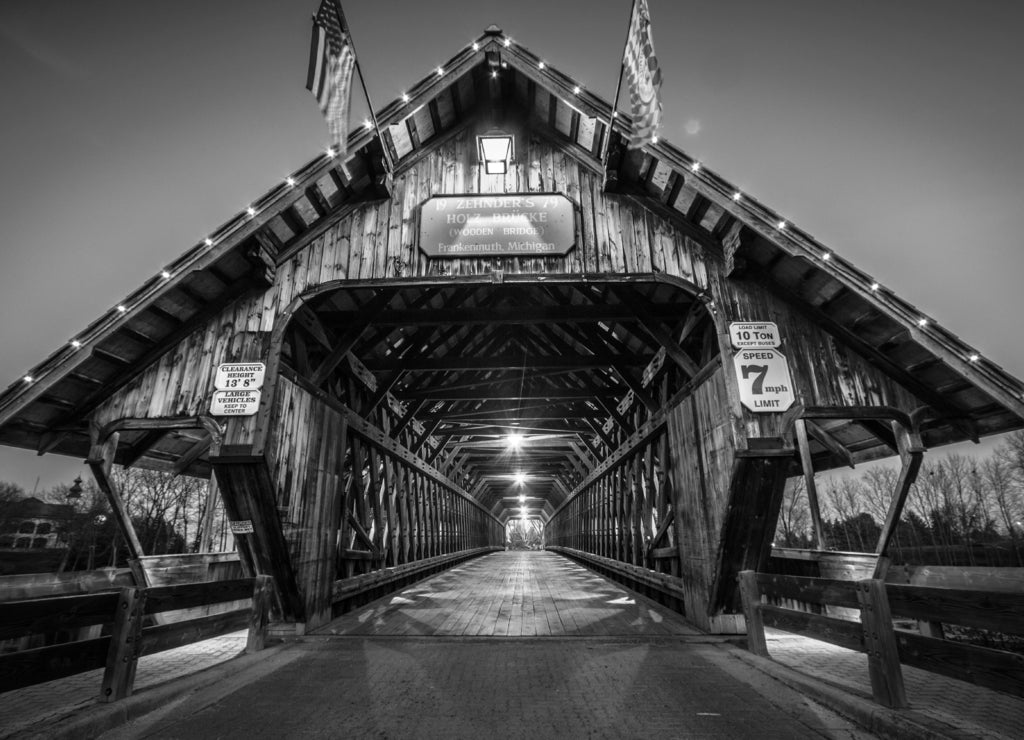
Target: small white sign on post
750,334
764,380
243,526
235,403
239,376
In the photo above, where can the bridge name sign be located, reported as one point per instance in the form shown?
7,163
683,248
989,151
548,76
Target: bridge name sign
506,225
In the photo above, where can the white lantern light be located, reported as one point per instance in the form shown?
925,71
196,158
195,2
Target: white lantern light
496,149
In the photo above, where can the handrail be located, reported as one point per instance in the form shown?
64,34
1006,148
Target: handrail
875,634
126,610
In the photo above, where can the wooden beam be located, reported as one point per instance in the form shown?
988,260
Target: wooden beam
340,348
481,315
131,455
804,448
652,326
100,462
192,454
830,443
503,362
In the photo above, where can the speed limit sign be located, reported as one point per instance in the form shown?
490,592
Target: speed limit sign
764,380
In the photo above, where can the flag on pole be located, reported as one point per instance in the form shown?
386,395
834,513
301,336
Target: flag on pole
644,78
331,61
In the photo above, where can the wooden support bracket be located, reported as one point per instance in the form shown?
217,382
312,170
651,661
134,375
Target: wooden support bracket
880,644
125,642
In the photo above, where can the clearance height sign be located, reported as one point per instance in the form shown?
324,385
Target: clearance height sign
238,387
513,224
761,370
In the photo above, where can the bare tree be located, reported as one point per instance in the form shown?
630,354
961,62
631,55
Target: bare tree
793,529
166,510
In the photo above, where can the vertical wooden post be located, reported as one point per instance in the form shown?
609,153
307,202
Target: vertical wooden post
125,643
751,597
259,618
206,539
880,643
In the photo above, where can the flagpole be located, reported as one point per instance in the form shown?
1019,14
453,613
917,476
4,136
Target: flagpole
362,83
618,87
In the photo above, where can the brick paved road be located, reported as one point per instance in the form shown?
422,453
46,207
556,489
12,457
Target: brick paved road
969,710
426,687
45,704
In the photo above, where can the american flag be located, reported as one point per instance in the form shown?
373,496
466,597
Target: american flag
644,79
331,61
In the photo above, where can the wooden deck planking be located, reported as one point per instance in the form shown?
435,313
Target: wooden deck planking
513,594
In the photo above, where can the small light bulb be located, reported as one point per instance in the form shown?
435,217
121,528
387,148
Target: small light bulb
737,195
121,308
28,378
330,152
290,182
974,358
654,139
208,241
251,211
494,73
826,257
476,46
164,274
405,97
781,225
508,43
368,125
922,322
695,167
76,344
440,71
875,287
540,66
576,90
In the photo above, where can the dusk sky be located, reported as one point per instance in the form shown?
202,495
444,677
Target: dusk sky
890,130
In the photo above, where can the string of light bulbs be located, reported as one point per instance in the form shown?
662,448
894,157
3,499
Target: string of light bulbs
781,226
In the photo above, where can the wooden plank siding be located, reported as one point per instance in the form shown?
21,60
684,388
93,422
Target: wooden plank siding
378,241
825,371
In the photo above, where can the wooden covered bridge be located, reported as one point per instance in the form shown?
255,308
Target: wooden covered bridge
628,351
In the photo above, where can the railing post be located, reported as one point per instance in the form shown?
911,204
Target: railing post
125,644
259,618
880,644
751,596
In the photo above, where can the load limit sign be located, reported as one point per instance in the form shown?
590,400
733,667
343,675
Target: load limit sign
764,380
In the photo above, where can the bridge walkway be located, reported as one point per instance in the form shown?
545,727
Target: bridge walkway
513,594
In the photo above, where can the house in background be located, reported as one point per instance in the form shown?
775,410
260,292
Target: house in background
32,535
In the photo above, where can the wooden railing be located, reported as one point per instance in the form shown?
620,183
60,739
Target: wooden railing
664,588
887,648
353,592
129,614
